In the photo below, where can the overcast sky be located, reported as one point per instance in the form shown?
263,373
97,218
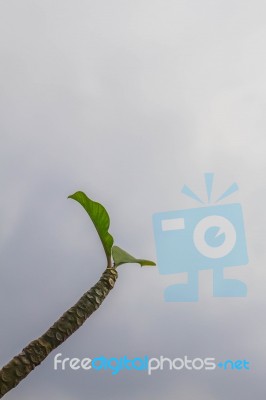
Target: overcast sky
128,101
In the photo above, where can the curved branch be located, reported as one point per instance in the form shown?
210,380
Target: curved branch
32,355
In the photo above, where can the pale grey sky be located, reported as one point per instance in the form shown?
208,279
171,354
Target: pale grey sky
128,101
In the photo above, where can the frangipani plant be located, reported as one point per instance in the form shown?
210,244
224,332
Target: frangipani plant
36,351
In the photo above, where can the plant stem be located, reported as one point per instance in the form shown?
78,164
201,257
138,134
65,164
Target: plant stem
32,355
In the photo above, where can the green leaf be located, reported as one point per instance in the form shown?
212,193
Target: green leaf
122,257
99,217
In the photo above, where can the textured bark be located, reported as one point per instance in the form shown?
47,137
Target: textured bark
32,355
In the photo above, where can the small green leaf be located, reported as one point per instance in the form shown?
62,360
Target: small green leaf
122,257
99,217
